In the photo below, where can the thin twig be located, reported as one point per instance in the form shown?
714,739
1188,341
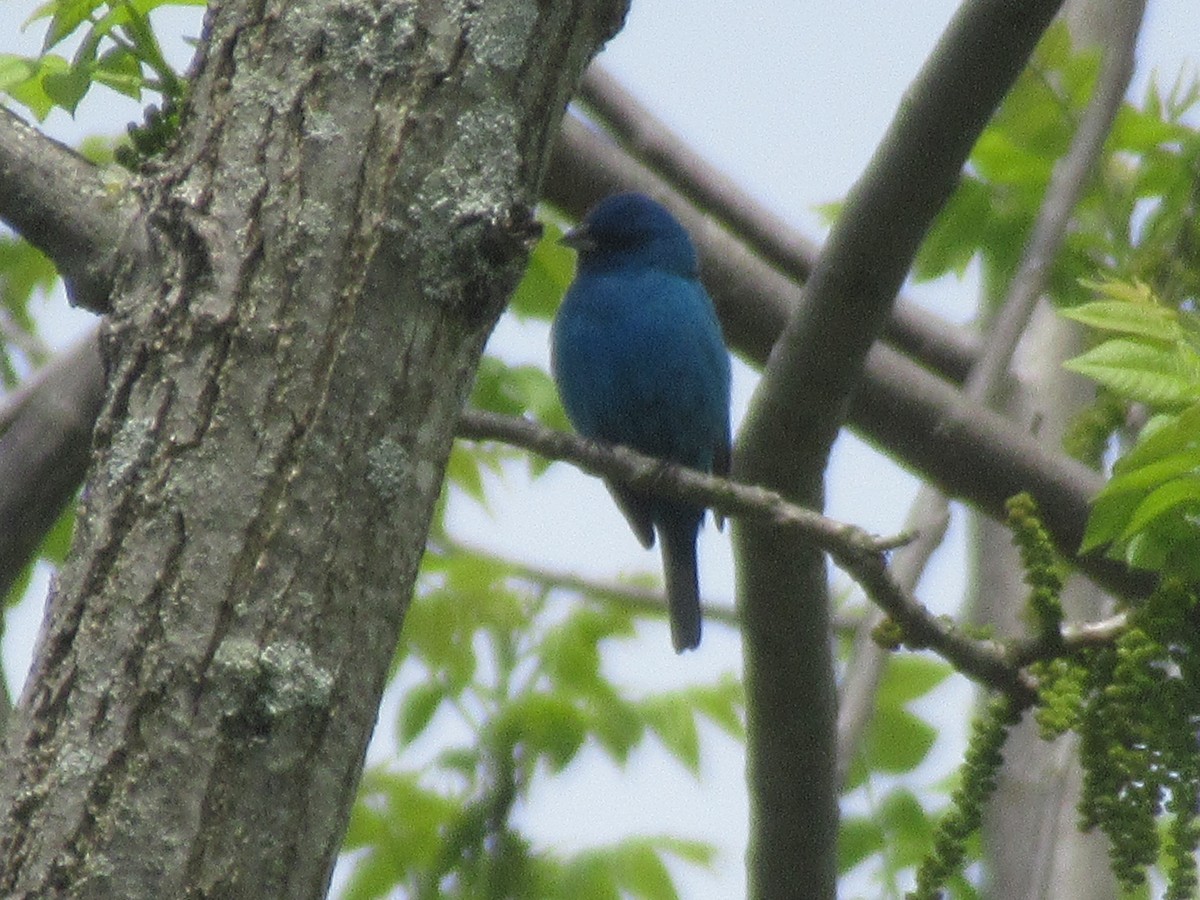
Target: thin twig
862,555
637,600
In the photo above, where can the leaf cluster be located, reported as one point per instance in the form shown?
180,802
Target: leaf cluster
116,47
896,833
1149,355
504,687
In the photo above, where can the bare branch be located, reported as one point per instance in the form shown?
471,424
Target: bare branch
800,405
862,555
45,445
648,145
657,477
61,203
635,599
930,512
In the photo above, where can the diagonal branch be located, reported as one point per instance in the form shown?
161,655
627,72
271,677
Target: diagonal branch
990,371
648,139
45,445
800,405
62,204
861,555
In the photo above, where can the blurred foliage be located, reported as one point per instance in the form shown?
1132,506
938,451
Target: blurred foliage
1136,220
504,687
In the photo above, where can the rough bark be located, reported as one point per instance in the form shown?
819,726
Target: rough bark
314,272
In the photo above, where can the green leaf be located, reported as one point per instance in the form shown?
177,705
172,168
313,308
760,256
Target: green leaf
909,828
1109,515
570,651
418,708
120,70
897,741
547,277
67,16
400,825
588,877
1142,131
722,703
1143,373
15,70
546,724
673,720
957,233
1001,159
1145,320
32,91
1151,475
66,89
1163,500
908,677
517,390
464,471
858,839
617,724
638,869
23,270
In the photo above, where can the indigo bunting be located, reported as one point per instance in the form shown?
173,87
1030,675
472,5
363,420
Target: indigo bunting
639,360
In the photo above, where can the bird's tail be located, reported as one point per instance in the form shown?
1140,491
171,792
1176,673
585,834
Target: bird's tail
683,588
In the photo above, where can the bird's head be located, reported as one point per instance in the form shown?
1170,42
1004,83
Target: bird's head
632,229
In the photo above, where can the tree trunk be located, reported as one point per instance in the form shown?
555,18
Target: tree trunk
305,292
1031,835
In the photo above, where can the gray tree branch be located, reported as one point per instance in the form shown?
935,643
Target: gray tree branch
45,446
990,371
61,204
797,410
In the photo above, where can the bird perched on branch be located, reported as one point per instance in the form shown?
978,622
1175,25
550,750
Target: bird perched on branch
639,360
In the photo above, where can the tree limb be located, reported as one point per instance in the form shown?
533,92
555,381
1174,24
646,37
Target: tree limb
62,204
861,555
796,412
990,371
45,446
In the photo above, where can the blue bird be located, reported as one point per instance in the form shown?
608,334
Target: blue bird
638,357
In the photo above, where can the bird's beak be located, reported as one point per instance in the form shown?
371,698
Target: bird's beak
579,239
